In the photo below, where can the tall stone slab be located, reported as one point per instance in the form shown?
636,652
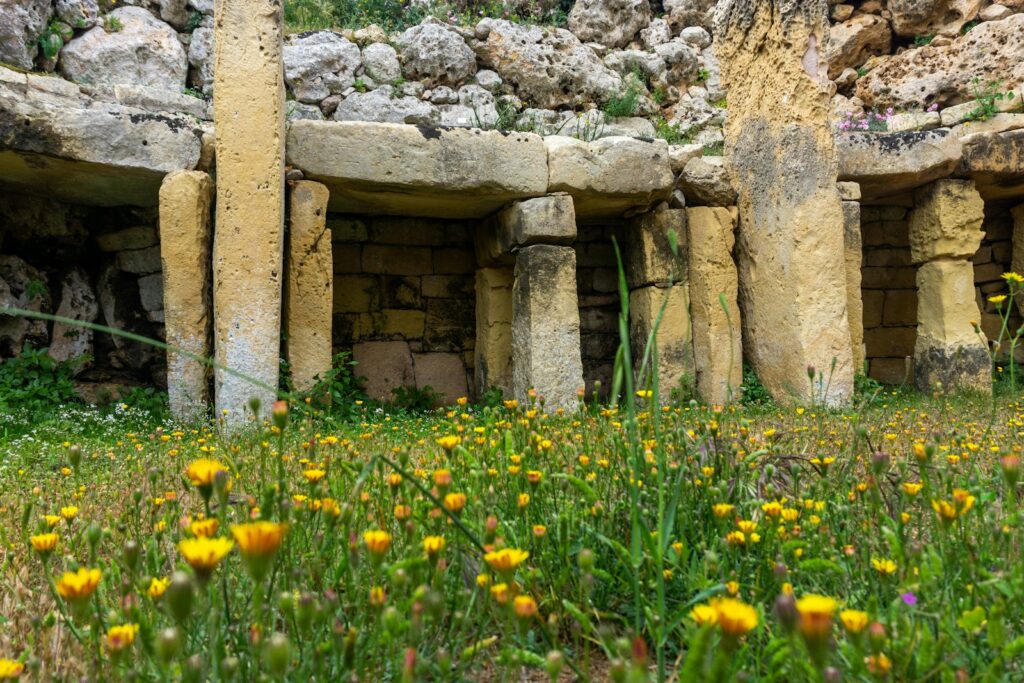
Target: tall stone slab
546,326
717,334
248,105
185,199
945,233
1017,263
674,336
853,258
781,155
494,330
309,290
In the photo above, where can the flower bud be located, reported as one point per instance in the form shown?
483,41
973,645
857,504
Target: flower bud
168,644
786,612
179,596
554,663
586,559
75,455
278,653
279,414
131,555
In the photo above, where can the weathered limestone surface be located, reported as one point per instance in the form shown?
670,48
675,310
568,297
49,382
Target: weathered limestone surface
392,366
717,335
494,330
945,233
546,326
994,161
1017,264
78,302
674,337
891,163
853,257
309,291
781,153
185,233
648,258
248,249
408,170
545,220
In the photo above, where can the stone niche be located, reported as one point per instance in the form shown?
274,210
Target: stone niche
597,286
404,302
97,265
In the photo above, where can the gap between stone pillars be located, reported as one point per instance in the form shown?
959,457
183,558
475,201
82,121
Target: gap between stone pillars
945,233
185,198
248,104
309,289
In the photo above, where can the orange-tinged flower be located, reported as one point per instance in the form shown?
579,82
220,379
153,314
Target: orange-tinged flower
44,544
506,560
534,476
433,545
259,539
539,530
403,512
454,502
442,479
523,500
854,621
121,637
10,669
878,665
721,510
735,617
205,527
79,585
204,554
816,613
377,542
525,607
377,596
501,593
201,472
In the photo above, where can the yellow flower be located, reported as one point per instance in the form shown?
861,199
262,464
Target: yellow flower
878,665
377,542
377,596
10,669
773,509
997,299
736,538
735,618
816,612
69,512
204,554
201,472
121,637
500,592
205,527
44,544
523,500
854,621
746,526
506,560
449,442
704,615
884,567
79,585
314,475
454,502
52,520
912,488
258,542
525,607
722,509
433,545
157,587
1013,277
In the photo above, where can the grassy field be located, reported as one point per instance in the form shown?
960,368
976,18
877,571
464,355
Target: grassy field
630,544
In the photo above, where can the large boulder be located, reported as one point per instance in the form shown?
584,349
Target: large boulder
145,51
432,53
609,22
547,67
684,13
991,53
380,61
319,64
21,23
912,18
851,42
78,13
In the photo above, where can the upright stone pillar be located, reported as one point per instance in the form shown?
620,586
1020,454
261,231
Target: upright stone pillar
185,198
781,154
945,233
309,294
1017,264
853,257
248,105
657,278
494,330
717,336
546,326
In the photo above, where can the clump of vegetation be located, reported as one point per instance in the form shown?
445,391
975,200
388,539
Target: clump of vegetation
398,15
627,102
672,133
987,99
36,383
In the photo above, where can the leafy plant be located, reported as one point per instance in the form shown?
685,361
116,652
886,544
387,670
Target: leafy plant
753,393
921,41
672,133
51,40
195,18
987,99
703,75
714,149
341,391
112,24
627,102
35,382
415,399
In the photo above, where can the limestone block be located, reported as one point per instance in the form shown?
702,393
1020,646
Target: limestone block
185,235
77,302
948,350
494,330
994,161
717,336
1017,261
355,294
442,372
544,220
946,222
706,182
138,237
648,257
309,290
248,101
546,326
384,366
853,255
674,338
139,261
151,292
781,154
886,164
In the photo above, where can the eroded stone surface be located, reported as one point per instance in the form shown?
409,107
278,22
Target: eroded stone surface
673,339
647,249
545,220
853,257
892,163
946,221
21,23
77,302
494,330
609,22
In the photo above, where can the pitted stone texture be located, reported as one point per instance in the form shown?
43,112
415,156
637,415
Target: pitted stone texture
781,154
21,23
384,366
853,257
383,105
892,163
547,67
852,42
77,302
994,162
682,14
613,23
381,63
145,51
320,64
309,292
434,54
78,14
948,351
544,220
912,18
946,221
15,292
674,337
717,334
248,101
185,242
991,52
705,181
609,176
494,330
648,257
546,327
